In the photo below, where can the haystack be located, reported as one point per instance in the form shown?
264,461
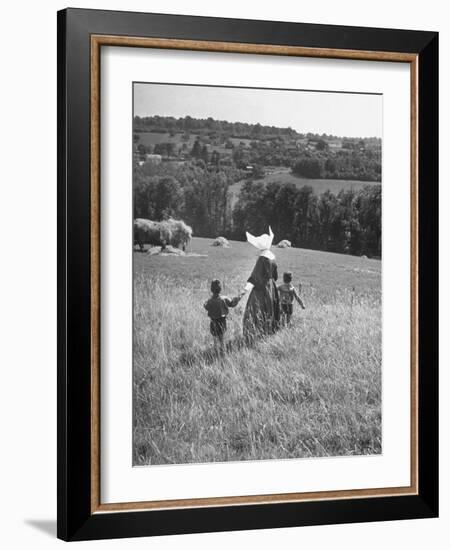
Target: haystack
169,250
173,251
221,241
284,244
179,233
165,233
153,250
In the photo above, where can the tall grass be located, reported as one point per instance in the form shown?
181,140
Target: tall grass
313,389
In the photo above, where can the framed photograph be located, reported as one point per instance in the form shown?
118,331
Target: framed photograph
247,287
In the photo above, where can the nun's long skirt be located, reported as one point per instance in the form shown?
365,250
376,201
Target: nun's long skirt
262,312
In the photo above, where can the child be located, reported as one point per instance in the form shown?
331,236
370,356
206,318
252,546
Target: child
217,308
287,294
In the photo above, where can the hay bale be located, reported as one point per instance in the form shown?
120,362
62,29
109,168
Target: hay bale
284,244
165,233
169,250
221,241
173,251
180,232
153,250
146,232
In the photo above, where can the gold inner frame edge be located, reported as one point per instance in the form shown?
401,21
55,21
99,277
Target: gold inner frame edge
97,41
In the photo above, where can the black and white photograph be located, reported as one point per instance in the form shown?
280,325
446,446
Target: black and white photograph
257,293
221,277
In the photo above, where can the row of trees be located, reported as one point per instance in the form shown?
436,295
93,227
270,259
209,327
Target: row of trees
196,193
348,164
348,222
207,125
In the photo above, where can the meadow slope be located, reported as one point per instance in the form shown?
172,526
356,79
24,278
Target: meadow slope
313,389
319,186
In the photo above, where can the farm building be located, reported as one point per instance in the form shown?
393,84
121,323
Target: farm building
153,159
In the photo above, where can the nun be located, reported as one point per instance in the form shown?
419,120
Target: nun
262,312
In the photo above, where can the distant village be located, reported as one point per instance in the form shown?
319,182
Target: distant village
225,178
255,149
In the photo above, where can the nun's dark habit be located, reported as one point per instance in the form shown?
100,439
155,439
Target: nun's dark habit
262,312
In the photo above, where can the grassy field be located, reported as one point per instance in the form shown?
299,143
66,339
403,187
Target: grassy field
313,389
284,175
152,138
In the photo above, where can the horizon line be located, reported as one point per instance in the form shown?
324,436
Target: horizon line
254,123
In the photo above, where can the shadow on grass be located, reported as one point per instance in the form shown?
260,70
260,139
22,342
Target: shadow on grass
211,354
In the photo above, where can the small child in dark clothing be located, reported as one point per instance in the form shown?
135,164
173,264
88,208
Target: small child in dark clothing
218,308
287,294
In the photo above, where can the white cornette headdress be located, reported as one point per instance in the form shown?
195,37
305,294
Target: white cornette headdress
262,243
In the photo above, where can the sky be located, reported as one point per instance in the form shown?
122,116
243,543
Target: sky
336,113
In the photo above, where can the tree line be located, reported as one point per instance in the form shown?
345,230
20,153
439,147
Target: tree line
194,192
163,124
200,194
349,164
347,222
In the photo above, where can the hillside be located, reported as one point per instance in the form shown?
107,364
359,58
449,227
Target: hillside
253,147
323,272
313,389
215,181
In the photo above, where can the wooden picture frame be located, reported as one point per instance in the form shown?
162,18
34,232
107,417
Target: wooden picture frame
81,35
